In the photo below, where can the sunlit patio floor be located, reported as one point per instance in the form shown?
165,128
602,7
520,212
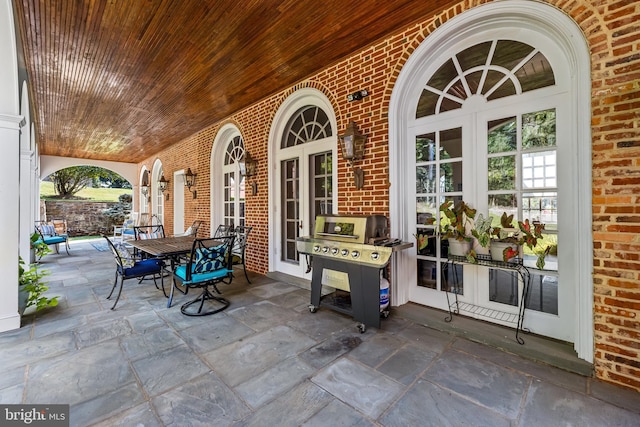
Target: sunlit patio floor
268,361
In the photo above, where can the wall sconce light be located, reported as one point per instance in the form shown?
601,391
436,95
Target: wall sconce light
144,186
352,145
163,183
248,168
357,96
190,181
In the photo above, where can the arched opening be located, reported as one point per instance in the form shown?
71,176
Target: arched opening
475,76
303,158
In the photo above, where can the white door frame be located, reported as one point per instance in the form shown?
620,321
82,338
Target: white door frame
549,22
297,100
178,202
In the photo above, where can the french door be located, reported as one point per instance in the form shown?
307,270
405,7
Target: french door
305,190
501,159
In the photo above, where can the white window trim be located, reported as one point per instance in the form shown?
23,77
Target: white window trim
153,192
552,23
216,165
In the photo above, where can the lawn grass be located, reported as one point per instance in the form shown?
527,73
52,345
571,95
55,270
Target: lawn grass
86,194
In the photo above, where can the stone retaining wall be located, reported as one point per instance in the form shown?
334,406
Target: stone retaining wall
83,218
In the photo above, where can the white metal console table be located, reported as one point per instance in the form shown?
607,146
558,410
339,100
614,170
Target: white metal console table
457,307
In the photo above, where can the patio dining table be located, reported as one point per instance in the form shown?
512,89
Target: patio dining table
170,248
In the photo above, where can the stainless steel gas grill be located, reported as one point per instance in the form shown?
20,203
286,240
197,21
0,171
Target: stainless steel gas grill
348,253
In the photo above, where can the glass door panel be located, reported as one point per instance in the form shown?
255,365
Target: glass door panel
522,181
291,209
439,178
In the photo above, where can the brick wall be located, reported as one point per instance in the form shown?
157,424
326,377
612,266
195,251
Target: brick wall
613,37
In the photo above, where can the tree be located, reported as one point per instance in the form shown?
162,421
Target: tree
69,181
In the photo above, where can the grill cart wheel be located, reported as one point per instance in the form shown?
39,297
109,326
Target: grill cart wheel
313,308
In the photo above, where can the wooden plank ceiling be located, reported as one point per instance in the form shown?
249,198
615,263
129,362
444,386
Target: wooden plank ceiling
123,79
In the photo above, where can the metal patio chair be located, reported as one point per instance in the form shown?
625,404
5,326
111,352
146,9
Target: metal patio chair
209,264
130,267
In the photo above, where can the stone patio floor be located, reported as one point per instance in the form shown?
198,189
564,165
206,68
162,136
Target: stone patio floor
268,361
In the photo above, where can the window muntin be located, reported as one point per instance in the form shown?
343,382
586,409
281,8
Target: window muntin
522,170
439,172
234,183
310,123
494,70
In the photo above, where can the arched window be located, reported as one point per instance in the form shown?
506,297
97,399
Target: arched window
234,183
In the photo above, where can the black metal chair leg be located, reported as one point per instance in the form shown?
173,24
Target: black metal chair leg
119,292
115,282
245,273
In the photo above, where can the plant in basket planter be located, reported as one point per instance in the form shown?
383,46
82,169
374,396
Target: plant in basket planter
455,222
505,240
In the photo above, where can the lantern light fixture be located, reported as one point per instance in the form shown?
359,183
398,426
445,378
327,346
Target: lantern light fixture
163,183
248,164
248,168
190,181
144,185
352,146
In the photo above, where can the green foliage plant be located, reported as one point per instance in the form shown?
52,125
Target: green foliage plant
41,248
456,219
482,230
456,222
30,282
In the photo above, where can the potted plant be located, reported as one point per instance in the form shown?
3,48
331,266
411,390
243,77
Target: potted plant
482,232
505,240
530,234
456,223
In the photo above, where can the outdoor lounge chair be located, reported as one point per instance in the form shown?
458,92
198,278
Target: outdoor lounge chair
50,237
209,264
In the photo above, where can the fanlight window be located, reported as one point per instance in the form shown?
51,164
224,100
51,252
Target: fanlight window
310,123
234,183
235,151
493,69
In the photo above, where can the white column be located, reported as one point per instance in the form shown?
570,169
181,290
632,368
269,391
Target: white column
26,204
9,220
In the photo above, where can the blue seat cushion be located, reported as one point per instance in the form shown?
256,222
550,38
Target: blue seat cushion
128,231
53,240
141,268
196,278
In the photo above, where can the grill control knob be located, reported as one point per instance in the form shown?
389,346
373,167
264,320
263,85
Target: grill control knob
334,251
325,249
355,254
375,255
316,248
345,252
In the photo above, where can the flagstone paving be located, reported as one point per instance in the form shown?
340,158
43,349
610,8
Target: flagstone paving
268,361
